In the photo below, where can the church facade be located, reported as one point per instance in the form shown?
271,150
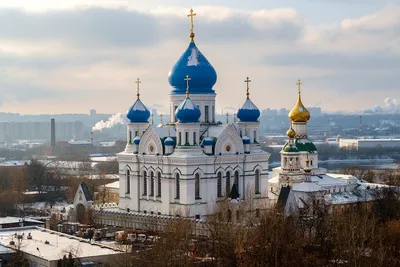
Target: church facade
184,167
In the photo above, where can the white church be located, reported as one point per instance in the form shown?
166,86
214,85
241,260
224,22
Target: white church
187,165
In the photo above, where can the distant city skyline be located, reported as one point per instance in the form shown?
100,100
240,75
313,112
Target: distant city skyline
68,57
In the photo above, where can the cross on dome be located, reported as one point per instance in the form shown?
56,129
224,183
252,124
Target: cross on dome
191,15
247,81
187,79
138,87
299,83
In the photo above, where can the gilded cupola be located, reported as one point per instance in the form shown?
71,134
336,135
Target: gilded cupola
299,113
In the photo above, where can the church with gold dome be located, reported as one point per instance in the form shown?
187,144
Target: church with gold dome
187,165
299,181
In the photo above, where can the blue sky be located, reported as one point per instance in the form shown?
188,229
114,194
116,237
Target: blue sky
61,56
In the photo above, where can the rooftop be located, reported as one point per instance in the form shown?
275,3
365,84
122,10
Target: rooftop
59,244
10,220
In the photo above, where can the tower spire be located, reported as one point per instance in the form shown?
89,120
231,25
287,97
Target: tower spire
138,82
187,79
191,15
247,81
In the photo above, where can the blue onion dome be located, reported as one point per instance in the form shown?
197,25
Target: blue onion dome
187,111
246,140
193,63
136,140
138,111
169,141
249,112
208,141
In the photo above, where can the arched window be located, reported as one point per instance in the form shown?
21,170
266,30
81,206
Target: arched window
237,180
197,186
151,183
257,182
219,184
128,181
228,183
144,183
177,187
130,137
159,184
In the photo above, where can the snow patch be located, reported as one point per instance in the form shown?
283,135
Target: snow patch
249,105
188,104
139,106
192,59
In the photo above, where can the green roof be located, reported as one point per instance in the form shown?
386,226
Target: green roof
290,148
304,144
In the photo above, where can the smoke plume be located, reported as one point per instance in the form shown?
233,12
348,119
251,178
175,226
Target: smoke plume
390,105
115,119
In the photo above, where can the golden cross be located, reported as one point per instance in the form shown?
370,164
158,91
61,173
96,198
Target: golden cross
247,89
187,79
299,83
191,15
138,87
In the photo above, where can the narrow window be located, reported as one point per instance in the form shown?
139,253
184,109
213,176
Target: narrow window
145,183
257,182
128,181
177,187
219,184
186,138
136,133
130,137
241,133
152,184
180,138
159,184
228,183
229,215
237,215
197,186
194,138
206,114
175,108
257,213
237,180
213,114
255,136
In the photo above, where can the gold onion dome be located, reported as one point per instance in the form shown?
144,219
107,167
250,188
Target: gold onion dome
291,133
299,113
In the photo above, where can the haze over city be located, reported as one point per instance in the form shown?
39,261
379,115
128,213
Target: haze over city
70,56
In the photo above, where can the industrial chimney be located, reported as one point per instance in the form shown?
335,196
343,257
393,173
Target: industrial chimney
53,133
